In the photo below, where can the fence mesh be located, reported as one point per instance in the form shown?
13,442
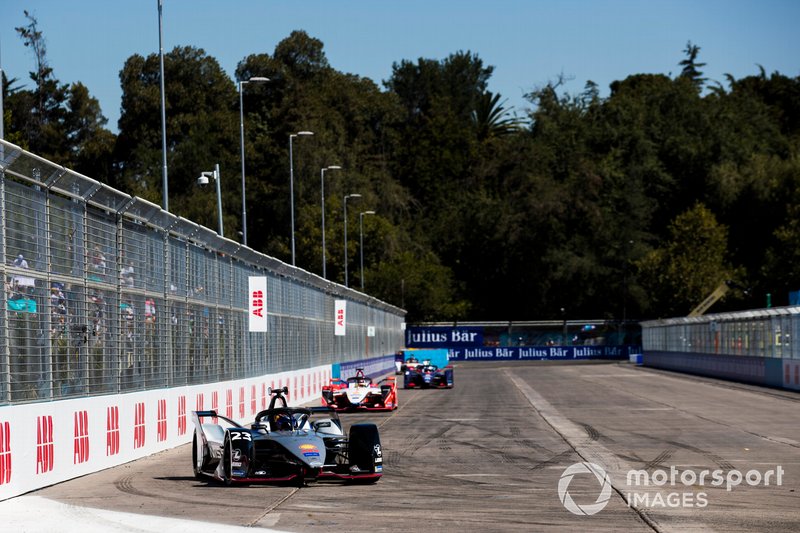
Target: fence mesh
108,293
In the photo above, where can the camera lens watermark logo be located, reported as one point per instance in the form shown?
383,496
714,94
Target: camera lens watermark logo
566,479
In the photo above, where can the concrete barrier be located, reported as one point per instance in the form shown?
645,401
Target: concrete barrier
768,371
46,443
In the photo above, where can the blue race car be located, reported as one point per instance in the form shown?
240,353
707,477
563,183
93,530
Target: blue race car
428,376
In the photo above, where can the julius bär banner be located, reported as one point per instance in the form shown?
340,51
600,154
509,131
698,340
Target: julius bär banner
443,336
521,353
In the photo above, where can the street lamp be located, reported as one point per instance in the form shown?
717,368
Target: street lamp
254,79
203,181
345,234
164,179
322,193
361,231
291,181
2,133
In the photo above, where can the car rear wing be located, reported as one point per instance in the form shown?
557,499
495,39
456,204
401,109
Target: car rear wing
213,414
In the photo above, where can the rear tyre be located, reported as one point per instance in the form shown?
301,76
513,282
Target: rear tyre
364,449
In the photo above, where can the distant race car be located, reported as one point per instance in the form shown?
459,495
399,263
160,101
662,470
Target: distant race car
359,393
285,444
428,376
404,365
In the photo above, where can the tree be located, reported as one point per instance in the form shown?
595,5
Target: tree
420,284
202,131
492,119
57,121
688,266
691,68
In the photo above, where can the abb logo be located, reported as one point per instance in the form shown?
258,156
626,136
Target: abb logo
5,453
303,386
181,415
253,400
198,402
214,404
139,426
263,395
340,317
112,430
161,427
241,402
229,403
80,446
44,444
258,303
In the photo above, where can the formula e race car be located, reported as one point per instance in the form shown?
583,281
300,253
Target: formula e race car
285,444
401,366
428,376
360,393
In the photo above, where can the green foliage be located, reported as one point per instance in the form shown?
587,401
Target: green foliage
690,264
60,122
420,284
630,206
202,131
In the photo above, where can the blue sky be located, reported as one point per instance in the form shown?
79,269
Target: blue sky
529,42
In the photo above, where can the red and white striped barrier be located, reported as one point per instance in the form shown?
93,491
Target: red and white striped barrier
46,443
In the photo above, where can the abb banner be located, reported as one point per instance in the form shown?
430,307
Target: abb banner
257,301
341,317
46,443
791,374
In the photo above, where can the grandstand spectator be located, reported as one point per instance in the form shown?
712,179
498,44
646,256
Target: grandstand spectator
98,263
126,275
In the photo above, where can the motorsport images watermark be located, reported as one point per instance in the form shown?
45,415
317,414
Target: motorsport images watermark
663,481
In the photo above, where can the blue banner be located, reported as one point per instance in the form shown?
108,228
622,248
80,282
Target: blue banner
532,353
443,337
374,368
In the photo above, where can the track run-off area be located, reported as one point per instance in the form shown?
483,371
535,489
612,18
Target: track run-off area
508,449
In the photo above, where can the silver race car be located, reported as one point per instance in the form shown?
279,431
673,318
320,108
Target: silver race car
285,444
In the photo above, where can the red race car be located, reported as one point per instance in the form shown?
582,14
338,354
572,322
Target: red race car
359,393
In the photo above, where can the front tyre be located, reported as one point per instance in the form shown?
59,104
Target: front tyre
364,450
227,460
195,467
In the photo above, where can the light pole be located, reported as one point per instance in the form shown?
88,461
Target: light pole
203,181
164,180
2,134
254,79
345,234
361,231
322,193
291,181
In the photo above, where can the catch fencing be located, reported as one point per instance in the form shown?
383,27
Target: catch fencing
757,346
106,293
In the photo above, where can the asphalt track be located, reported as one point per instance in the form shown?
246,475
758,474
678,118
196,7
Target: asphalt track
490,455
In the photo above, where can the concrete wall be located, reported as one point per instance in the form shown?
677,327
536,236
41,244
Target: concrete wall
49,442
767,371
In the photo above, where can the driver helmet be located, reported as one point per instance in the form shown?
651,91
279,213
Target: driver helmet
282,422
